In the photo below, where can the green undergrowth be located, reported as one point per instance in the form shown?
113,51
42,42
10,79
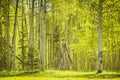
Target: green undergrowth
56,75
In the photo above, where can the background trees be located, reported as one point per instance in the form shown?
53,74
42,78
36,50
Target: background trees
33,38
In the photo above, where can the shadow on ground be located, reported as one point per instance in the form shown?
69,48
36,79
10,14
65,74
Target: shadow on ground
54,74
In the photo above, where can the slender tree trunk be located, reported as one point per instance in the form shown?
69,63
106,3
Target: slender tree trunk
23,38
39,28
0,28
43,36
0,24
37,24
51,39
100,37
31,36
14,37
8,35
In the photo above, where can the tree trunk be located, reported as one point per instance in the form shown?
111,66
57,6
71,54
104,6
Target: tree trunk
51,39
0,29
31,36
8,35
23,37
0,24
100,37
43,36
14,37
39,28
37,25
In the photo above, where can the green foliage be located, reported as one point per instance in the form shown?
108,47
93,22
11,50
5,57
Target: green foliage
4,52
33,58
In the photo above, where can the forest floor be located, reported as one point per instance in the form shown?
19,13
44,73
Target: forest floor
59,75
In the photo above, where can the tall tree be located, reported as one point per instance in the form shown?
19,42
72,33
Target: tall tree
100,37
22,42
0,28
31,32
23,39
31,38
14,36
0,23
42,35
8,33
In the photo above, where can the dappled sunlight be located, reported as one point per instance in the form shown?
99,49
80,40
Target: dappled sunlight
59,39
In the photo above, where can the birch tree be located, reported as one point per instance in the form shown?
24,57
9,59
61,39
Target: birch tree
100,37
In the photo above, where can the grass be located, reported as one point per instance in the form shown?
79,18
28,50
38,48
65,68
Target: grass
59,75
